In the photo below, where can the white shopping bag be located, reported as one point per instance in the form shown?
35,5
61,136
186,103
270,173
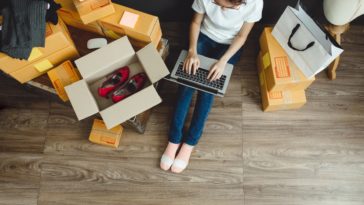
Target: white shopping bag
308,45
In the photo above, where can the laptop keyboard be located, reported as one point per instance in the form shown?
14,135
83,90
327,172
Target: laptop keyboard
201,77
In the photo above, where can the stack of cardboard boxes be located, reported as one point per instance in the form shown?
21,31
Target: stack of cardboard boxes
282,83
111,20
58,48
98,16
107,19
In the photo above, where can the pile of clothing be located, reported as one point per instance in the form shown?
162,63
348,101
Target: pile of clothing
24,25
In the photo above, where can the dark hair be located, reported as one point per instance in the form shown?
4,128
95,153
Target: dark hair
237,2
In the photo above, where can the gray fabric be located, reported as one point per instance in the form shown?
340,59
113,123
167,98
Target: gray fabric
23,27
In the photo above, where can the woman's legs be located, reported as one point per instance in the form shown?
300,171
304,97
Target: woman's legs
204,47
176,130
202,108
182,107
205,100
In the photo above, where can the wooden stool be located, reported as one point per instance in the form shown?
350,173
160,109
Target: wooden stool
336,32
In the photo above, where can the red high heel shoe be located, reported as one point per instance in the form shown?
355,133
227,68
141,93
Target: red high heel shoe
116,79
135,84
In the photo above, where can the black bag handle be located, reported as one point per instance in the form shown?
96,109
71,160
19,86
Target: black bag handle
294,30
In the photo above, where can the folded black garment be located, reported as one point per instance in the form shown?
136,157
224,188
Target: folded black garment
23,27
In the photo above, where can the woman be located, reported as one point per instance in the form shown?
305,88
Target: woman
218,30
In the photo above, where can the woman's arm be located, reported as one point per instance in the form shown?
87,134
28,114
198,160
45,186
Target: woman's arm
192,61
240,39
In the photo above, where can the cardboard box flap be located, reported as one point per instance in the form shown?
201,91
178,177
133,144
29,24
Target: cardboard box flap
131,106
104,57
81,99
152,63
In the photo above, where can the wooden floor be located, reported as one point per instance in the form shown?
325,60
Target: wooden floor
312,156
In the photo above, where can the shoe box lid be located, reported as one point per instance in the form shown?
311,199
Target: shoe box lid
106,60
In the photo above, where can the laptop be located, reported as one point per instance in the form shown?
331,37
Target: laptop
199,81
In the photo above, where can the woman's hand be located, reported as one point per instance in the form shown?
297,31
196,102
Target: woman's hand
217,70
192,63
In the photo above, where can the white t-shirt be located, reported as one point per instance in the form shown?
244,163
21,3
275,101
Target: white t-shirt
222,25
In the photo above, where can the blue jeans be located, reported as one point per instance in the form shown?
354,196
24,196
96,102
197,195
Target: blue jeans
209,48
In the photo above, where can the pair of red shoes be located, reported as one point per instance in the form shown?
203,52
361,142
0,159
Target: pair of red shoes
116,84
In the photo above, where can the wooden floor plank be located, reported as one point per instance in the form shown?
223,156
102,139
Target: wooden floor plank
23,130
97,180
19,178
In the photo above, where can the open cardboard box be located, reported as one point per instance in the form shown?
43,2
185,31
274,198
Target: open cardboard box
96,66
